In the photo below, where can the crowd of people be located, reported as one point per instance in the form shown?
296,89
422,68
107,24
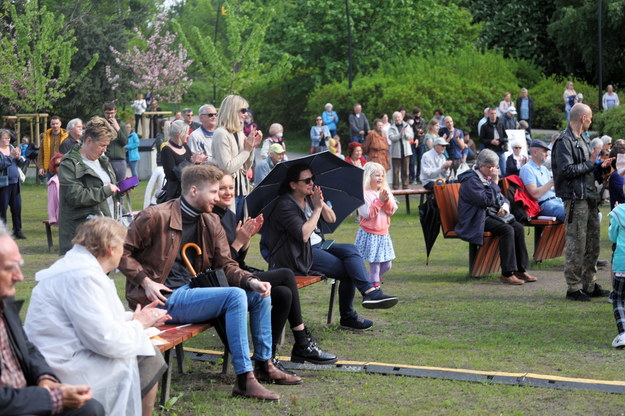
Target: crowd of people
76,325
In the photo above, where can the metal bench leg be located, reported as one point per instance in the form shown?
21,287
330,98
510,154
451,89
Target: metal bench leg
224,366
180,357
166,379
49,236
332,295
408,204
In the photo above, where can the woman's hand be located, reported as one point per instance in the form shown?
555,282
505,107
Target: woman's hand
16,153
317,198
197,158
264,288
253,139
151,315
114,188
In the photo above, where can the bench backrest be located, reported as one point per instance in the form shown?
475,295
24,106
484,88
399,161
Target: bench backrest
447,197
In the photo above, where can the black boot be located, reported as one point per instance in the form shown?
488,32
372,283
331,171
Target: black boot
277,363
306,349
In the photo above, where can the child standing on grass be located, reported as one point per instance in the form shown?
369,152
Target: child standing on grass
373,240
617,236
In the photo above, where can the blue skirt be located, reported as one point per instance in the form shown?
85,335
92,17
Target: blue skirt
374,248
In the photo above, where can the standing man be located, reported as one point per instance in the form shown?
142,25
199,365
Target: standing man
525,107
116,150
201,140
27,384
573,164
154,270
75,129
358,125
50,141
187,117
494,137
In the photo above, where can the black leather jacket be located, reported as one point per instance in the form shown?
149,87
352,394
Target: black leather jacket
573,172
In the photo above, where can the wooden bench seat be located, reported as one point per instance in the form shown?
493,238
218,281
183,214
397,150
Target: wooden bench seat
407,192
483,259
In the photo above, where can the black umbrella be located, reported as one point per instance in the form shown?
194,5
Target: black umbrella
341,183
430,223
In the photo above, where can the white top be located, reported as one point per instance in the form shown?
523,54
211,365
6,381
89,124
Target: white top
201,143
79,324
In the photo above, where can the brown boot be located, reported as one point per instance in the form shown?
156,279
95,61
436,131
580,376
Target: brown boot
267,371
247,386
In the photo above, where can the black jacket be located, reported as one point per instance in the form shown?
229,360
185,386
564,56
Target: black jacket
487,133
530,104
573,172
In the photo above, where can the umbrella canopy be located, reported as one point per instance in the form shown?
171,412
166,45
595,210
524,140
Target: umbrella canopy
341,183
430,224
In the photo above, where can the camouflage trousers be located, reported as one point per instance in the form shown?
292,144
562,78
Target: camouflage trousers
582,244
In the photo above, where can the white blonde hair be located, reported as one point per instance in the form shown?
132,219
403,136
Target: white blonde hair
370,168
229,110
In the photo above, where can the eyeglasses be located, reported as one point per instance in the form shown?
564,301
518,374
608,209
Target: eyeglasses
319,119
244,111
209,114
517,147
307,181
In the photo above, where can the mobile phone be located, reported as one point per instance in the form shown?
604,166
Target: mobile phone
326,244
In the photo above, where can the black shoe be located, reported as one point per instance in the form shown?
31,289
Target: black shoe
578,295
19,235
280,367
598,292
602,263
359,324
378,300
309,351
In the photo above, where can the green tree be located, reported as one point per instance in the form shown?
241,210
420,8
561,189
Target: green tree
38,54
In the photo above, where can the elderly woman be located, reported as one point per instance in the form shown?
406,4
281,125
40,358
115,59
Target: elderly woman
516,160
400,134
79,324
175,156
354,154
482,207
284,293
86,181
376,145
319,135
276,136
11,161
232,151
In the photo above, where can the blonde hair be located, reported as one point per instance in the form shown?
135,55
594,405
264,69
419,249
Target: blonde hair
99,234
229,110
98,128
371,168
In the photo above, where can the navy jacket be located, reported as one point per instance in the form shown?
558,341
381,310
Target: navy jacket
474,198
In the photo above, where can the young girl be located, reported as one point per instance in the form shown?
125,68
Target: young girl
373,240
617,236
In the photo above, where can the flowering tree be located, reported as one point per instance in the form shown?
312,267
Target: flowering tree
160,66
36,53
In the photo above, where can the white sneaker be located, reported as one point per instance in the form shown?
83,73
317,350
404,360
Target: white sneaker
619,341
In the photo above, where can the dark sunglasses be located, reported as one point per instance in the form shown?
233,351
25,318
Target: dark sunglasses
209,114
243,110
319,119
517,147
307,181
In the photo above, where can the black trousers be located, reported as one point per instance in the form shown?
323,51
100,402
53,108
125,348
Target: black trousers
10,196
512,249
285,302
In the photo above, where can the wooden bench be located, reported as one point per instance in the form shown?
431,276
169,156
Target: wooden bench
408,192
483,259
49,234
549,236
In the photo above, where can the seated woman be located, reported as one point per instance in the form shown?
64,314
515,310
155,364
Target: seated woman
516,160
296,244
284,293
79,324
482,207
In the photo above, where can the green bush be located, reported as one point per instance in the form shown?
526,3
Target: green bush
610,122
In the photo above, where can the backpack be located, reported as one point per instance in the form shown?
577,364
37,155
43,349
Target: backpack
522,206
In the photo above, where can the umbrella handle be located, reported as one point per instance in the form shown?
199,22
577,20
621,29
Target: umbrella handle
183,254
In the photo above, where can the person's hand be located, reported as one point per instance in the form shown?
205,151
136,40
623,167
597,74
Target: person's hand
114,123
494,174
75,397
495,142
151,315
114,188
253,139
361,132
384,195
447,164
198,158
607,162
317,198
48,384
502,212
595,153
264,288
246,230
153,290
16,153
42,172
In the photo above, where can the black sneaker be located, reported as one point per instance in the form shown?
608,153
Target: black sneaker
378,300
598,292
359,324
578,295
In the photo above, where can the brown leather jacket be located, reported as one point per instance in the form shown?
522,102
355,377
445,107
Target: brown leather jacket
154,239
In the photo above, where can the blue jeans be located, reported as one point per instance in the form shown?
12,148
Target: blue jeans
186,305
553,208
502,164
343,262
133,168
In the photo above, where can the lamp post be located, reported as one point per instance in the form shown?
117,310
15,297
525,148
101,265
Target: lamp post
349,45
600,51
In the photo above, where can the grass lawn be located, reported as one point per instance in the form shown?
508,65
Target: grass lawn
443,320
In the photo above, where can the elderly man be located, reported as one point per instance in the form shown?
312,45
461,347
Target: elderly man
187,117
525,107
539,183
573,164
493,136
434,164
201,140
28,385
75,129
358,125
276,154
50,141
155,270
116,150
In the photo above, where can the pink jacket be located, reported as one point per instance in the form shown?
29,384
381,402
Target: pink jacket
375,217
53,199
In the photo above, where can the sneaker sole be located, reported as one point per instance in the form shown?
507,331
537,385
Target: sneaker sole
350,328
380,304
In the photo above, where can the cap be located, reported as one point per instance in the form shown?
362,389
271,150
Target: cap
538,143
512,110
276,148
440,141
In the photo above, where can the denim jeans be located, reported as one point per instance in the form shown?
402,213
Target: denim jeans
502,164
553,208
186,305
344,263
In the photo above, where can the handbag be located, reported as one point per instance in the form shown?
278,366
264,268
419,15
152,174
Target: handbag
492,212
209,278
22,175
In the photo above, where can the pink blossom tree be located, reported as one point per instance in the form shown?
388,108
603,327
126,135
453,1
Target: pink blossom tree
159,66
